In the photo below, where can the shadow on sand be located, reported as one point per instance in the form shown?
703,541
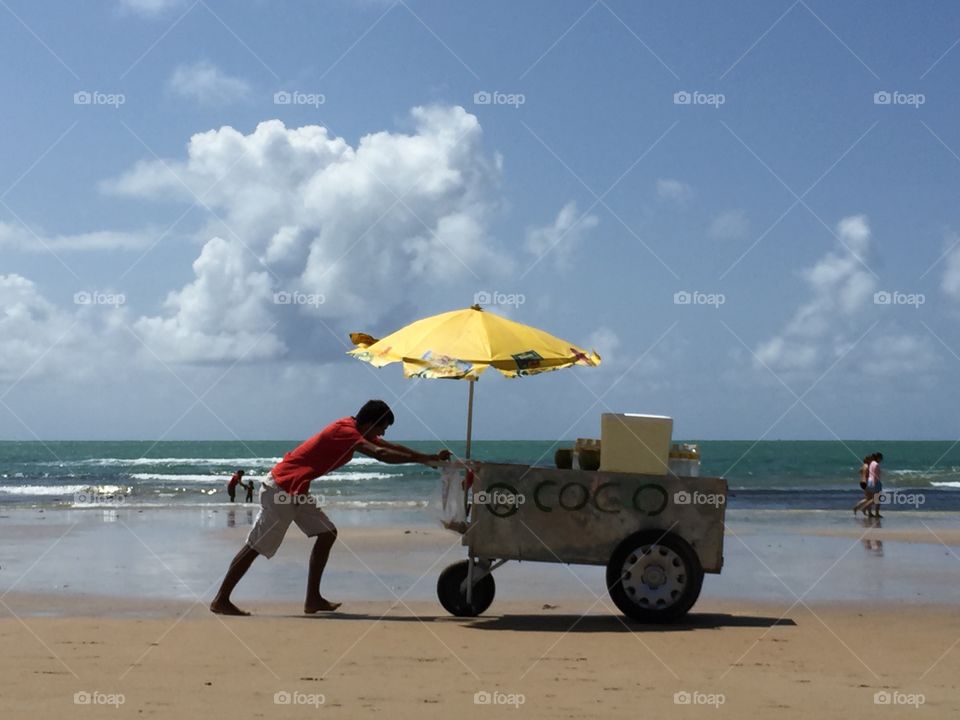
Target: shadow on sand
573,623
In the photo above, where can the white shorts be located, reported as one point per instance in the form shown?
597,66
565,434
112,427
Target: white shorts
277,510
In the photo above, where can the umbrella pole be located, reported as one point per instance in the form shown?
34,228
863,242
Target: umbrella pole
469,419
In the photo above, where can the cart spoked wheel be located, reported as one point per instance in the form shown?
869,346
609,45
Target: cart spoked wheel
452,592
654,576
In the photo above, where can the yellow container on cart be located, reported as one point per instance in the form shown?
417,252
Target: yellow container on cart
635,443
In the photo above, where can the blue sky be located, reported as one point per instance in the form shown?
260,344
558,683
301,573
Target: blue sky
811,178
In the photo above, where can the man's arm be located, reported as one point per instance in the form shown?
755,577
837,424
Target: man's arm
401,448
393,446
392,454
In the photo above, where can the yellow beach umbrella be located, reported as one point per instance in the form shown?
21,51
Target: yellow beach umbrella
462,344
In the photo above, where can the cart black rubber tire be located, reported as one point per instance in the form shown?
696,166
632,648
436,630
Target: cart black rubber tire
454,600
684,563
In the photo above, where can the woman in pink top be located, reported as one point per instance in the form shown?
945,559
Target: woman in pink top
874,486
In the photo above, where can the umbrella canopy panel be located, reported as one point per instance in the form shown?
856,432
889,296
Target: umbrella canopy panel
462,344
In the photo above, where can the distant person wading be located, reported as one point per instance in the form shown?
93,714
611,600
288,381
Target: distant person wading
236,479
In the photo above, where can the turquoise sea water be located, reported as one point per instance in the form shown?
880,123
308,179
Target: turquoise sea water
770,474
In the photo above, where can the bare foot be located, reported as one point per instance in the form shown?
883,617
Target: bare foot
320,605
226,607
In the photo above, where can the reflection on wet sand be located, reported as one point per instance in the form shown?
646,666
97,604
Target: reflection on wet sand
232,517
871,545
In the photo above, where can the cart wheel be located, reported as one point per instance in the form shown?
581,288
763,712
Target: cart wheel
654,576
454,600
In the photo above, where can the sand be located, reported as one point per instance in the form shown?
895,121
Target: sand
809,618
734,660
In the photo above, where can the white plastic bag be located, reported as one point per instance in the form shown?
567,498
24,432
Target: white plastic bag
452,505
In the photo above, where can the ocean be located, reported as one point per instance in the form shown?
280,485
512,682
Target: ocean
802,475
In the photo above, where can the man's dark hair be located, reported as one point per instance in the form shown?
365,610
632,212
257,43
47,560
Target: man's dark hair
375,412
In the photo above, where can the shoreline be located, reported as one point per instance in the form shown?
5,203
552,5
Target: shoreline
179,555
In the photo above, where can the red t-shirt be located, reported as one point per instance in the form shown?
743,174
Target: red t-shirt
327,450
234,481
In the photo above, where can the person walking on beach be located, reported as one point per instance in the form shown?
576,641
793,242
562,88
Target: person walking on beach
249,488
285,498
237,479
874,486
864,472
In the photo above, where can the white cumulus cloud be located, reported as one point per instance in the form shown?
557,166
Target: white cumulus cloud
363,227
831,324
223,314
40,337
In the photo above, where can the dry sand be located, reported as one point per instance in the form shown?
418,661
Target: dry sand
413,662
